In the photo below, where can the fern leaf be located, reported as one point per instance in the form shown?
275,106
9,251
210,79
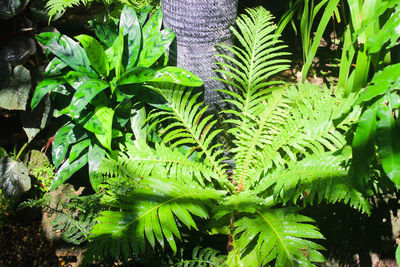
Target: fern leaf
59,6
277,234
149,213
250,67
188,126
315,178
203,257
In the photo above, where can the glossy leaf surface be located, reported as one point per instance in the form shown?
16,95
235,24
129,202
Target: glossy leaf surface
132,32
95,157
67,169
178,76
43,88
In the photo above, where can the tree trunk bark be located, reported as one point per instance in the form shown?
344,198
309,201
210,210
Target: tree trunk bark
199,25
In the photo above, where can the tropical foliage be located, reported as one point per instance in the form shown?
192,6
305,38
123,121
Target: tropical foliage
289,149
98,87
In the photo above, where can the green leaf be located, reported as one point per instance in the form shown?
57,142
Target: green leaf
67,50
364,144
389,32
154,47
64,137
96,54
107,31
77,149
398,254
43,88
147,212
92,124
83,95
67,169
387,136
153,25
14,177
105,116
118,53
138,124
279,234
130,25
137,75
381,82
178,76
14,94
55,66
95,157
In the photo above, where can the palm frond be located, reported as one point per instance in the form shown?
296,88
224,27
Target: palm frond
275,234
59,6
149,213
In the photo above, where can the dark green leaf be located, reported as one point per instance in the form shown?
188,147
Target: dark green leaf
137,75
364,144
388,140
154,47
84,94
131,29
14,177
67,50
178,76
107,32
43,88
67,170
93,124
15,93
95,53
95,157
76,79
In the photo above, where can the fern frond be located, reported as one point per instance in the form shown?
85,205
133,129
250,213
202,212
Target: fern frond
203,257
188,126
142,161
58,6
276,234
250,66
150,213
317,177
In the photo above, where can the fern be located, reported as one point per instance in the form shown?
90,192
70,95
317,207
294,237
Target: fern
203,257
288,149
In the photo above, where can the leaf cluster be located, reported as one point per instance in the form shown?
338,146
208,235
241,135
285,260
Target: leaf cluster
289,148
97,84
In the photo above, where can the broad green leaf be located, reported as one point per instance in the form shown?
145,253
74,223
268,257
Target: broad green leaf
389,33
95,157
398,254
14,177
67,50
107,31
118,53
138,124
153,25
105,116
388,140
77,149
59,145
363,144
96,54
67,170
76,79
137,75
54,67
64,137
381,82
92,124
178,76
130,25
154,47
83,95
43,88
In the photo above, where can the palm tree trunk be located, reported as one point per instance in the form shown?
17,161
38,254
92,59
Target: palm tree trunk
199,25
